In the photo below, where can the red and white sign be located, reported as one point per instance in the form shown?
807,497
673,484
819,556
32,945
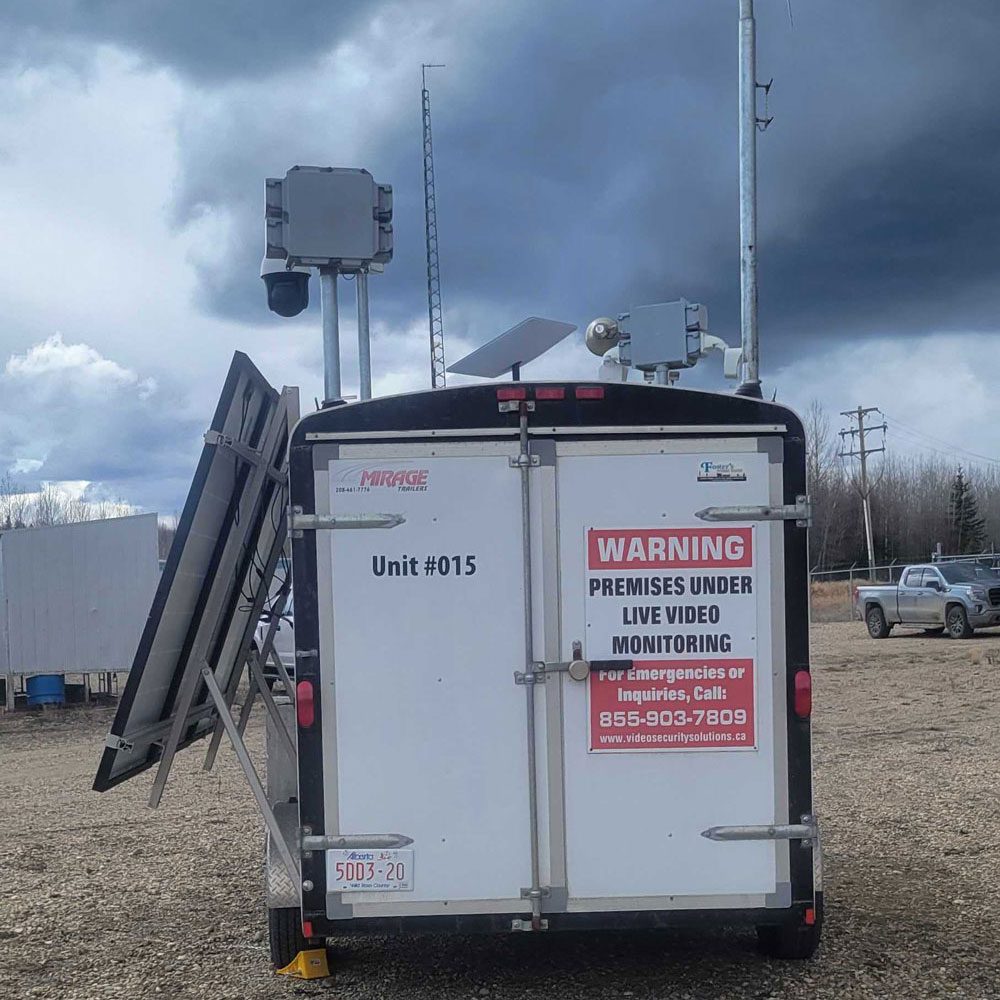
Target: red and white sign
673,705
677,607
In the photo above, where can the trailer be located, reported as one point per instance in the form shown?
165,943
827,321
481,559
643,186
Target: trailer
552,666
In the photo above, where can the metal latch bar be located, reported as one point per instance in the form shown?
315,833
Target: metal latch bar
354,841
806,831
800,512
338,522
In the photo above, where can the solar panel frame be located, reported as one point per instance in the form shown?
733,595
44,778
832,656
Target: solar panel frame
215,581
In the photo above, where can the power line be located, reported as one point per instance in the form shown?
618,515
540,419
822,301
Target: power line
914,432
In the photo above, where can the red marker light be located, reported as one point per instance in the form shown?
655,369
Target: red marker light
307,929
305,706
803,694
590,392
810,916
550,392
518,392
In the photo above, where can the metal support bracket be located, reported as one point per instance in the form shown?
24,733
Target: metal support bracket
527,925
516,462
118,742
250,772
807,831
514,406
252,455
800,512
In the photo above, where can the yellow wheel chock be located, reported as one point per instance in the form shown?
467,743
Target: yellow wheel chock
309,964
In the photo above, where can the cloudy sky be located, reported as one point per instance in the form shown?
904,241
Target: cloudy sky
586,161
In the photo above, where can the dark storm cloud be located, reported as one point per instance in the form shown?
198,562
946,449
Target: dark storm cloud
208,40
586,156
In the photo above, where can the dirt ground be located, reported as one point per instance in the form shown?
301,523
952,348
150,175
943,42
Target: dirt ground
103,898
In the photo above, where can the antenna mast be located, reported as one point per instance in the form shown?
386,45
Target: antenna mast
434,317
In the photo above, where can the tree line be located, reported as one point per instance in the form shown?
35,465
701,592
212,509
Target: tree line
918,502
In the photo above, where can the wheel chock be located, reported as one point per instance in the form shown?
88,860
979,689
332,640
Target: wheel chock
308,964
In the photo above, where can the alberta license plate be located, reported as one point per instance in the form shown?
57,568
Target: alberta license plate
369,871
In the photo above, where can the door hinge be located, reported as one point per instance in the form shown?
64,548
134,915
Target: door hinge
800,512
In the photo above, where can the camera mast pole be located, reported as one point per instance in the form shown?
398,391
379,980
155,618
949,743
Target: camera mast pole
331,333
748,202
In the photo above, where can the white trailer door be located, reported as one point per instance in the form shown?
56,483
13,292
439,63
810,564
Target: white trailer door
694,737
425,624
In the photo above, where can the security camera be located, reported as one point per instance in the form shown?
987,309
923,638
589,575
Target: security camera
287,290
603,333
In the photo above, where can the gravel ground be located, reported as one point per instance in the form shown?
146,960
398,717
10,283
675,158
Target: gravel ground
104,898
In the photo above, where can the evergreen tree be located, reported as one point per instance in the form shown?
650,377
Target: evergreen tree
967,527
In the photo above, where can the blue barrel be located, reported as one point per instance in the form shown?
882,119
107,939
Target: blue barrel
46,689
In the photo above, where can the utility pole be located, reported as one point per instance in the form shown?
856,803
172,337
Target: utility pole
847,437
434,314
749,124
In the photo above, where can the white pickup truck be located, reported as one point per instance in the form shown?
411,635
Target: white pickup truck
954,597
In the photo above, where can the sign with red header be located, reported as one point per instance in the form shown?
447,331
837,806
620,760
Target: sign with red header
681,605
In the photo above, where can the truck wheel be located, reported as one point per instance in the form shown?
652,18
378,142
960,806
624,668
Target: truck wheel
958,622
284,931
792,941
878,627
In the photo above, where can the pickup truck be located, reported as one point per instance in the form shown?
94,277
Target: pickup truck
953,597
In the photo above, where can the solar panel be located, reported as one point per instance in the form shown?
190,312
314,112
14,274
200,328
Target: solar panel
230,538
520,344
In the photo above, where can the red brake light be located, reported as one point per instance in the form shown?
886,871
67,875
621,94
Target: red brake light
517,392
810,916
590,392
550,392
307,929
803,694
305,706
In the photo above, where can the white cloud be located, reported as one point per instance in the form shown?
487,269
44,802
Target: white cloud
937,393
85,365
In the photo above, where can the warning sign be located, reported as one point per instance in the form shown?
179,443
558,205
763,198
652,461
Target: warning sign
681,605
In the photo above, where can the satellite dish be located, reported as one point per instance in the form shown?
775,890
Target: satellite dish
530,339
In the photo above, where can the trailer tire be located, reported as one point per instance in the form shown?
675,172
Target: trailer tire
284,932
878,627
957,622
792,941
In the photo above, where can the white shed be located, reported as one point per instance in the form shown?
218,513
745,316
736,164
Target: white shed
74,597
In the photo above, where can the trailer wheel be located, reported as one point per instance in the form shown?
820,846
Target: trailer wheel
792,941
958,622
878,627
284,931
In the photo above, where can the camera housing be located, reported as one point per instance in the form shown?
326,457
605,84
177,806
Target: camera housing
287,290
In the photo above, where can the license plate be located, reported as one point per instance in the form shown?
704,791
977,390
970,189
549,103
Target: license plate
369,871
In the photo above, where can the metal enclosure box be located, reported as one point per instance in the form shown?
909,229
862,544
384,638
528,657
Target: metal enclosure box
658,334
497,548
328,215
74,597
